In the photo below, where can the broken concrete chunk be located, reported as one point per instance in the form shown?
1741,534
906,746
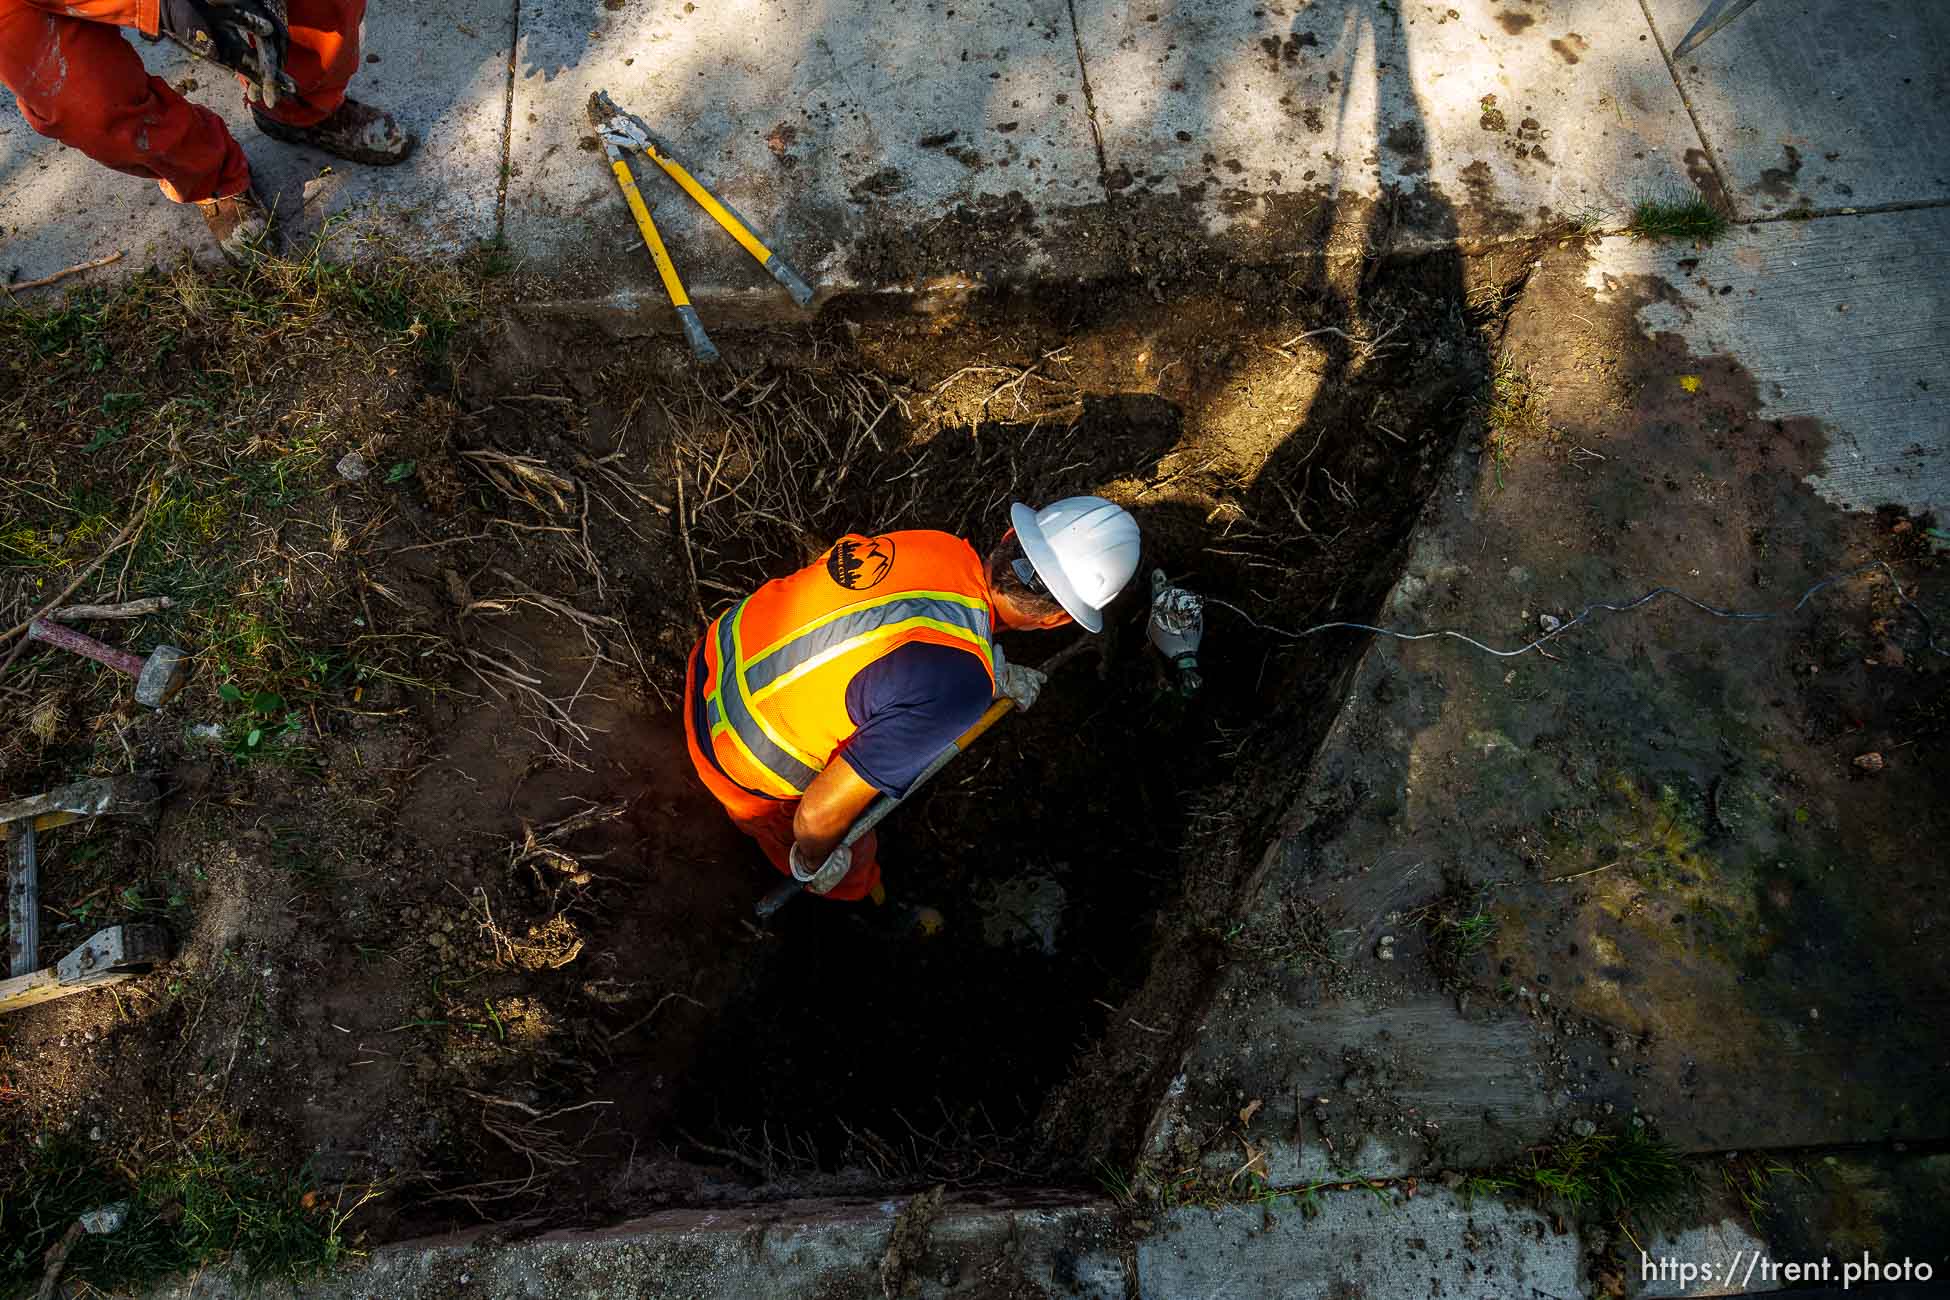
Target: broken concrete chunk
106,1220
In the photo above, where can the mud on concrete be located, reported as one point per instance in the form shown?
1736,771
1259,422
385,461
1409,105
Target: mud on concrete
1689,852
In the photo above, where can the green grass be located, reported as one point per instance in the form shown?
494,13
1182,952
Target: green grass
1459,926
1690,218
1588,220
1116,1183
1466,936
1750,1181
1510,405
1612,1173
219,401
203,1207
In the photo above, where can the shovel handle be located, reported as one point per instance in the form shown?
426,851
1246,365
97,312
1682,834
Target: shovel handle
883,804
877,811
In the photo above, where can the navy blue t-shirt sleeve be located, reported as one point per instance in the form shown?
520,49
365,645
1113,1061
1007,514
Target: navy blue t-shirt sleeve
909,705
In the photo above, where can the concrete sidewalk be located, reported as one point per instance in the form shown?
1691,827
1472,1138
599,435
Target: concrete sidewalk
847,130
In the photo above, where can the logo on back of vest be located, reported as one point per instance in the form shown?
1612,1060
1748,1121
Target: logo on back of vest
858,563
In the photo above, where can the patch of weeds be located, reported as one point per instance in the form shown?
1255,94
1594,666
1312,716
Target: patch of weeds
264,722
1298,935
70,335
1459,926
159,903
1610,1174
1588,220
491,259
1307,1200
1462,937
1690,217
1510,405
1484,1185
117,412
426,303
254,651
1512,414
1188,1186
283,478
1116,1184
201,1206
1750,1181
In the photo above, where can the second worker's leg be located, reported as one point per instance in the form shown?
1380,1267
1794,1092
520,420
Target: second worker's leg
323,56
81,83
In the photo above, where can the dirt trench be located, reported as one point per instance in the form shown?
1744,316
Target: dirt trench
486,943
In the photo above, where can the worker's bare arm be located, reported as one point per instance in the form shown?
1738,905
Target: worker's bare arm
828,807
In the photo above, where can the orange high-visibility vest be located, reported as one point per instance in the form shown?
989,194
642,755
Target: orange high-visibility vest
778,663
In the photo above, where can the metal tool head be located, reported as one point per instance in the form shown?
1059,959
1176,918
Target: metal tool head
622,131
163,674
1718,14
1176,627
1177,622
119,948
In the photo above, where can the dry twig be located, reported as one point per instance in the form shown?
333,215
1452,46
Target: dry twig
129,530
58,276
126,609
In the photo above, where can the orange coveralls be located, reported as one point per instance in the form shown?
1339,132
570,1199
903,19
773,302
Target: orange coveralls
78,81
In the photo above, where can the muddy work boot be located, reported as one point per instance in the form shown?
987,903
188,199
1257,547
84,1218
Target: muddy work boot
241,225
356,132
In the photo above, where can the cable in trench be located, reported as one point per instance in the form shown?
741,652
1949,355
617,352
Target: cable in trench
1552,633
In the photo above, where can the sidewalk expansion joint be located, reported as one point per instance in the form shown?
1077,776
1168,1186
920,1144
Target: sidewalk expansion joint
1699,127
1090,103
507,123
1854,210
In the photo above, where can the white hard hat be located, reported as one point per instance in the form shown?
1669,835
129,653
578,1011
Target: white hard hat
1083,548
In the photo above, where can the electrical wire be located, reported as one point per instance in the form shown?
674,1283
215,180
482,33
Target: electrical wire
1737,615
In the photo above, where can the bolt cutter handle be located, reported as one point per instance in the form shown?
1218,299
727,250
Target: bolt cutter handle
701,346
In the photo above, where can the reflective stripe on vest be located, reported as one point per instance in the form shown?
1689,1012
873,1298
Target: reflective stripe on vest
732,715
826,639
745,680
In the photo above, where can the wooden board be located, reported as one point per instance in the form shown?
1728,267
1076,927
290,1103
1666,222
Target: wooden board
105,796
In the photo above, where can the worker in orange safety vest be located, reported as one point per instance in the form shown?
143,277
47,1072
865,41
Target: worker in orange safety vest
78,81
844,680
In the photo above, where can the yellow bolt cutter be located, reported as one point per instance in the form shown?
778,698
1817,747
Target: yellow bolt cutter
624,133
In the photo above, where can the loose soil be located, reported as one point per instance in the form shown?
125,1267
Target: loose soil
460,923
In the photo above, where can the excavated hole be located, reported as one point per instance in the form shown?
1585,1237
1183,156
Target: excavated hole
835,1048
401,965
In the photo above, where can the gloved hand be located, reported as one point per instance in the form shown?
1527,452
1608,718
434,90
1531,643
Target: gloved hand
1176,627
250,37
1016,682
821,878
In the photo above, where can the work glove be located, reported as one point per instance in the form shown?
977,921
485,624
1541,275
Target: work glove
1016,682
250,37
819,879
1176,627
